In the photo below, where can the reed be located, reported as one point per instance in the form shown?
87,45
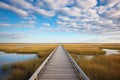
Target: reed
84,49
24,69
25,48
100,67
5,68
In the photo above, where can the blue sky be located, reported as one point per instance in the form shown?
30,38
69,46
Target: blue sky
59,21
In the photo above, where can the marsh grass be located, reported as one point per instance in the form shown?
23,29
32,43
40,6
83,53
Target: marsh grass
24,69
25,48
109,46
84,49
101,67
5,68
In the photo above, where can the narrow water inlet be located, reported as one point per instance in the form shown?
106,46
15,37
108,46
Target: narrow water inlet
111,51
85,56
108,52
8,58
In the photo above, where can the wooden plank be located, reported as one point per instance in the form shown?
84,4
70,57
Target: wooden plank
35,74
59,67
58,79
82,75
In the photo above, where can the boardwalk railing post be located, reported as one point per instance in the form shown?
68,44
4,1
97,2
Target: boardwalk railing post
42,66
36,78
75,65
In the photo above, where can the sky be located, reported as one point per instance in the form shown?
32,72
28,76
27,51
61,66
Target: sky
59,21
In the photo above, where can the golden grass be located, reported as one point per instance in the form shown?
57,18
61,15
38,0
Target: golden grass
101,67
84,49
23,70
25,48
110,46
17,74
5,67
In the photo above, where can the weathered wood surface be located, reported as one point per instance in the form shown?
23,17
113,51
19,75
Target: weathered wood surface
59,67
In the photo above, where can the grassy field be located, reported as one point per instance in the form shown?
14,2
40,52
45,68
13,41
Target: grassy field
5,67
84,49
23,70
101,67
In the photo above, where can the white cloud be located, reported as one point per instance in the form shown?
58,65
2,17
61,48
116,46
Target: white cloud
26,5
54,4
73,11
14,9
46,24
112,33
28,23
23,24
73,15
111,9
64,18
31,17
92,13
104,39
5,25
23,3
11,35
44,12
86,3
90,25
110,3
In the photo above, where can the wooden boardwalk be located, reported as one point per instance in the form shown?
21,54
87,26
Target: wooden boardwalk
59,67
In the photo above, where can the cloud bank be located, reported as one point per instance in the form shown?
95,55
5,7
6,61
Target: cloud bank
83,16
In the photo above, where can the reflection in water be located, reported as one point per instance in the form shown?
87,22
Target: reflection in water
88,57
85,56
110,51
11,58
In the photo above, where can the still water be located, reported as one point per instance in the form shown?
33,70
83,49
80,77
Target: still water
108,52
14,57
8,58
111,51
